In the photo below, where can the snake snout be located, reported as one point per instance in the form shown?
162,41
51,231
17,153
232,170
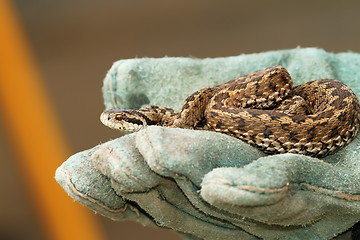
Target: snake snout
104,117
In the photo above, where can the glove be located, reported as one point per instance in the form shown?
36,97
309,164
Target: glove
207,185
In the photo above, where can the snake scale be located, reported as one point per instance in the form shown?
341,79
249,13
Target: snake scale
264,109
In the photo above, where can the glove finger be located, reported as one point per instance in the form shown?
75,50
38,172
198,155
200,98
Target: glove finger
175,152
120,161
284,190
84,183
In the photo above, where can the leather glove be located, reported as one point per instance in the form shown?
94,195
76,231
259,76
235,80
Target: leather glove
207,185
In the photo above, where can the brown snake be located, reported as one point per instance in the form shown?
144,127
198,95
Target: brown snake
263,109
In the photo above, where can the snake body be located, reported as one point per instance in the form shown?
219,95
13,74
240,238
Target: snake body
263,109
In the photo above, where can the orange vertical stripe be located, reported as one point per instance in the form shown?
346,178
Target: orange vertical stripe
36,136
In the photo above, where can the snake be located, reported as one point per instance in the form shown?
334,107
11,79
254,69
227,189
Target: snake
262,108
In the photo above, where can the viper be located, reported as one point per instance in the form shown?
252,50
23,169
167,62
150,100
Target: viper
264,109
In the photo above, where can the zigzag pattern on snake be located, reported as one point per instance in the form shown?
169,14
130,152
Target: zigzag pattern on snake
263,109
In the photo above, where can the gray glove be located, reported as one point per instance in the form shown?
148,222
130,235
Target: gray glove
207,185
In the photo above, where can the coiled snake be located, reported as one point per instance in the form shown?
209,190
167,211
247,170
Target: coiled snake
263,109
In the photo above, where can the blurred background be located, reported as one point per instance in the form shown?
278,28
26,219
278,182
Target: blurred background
74,42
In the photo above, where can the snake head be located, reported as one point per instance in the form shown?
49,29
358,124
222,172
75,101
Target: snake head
124,120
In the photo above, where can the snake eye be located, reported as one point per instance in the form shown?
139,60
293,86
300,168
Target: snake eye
119,117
